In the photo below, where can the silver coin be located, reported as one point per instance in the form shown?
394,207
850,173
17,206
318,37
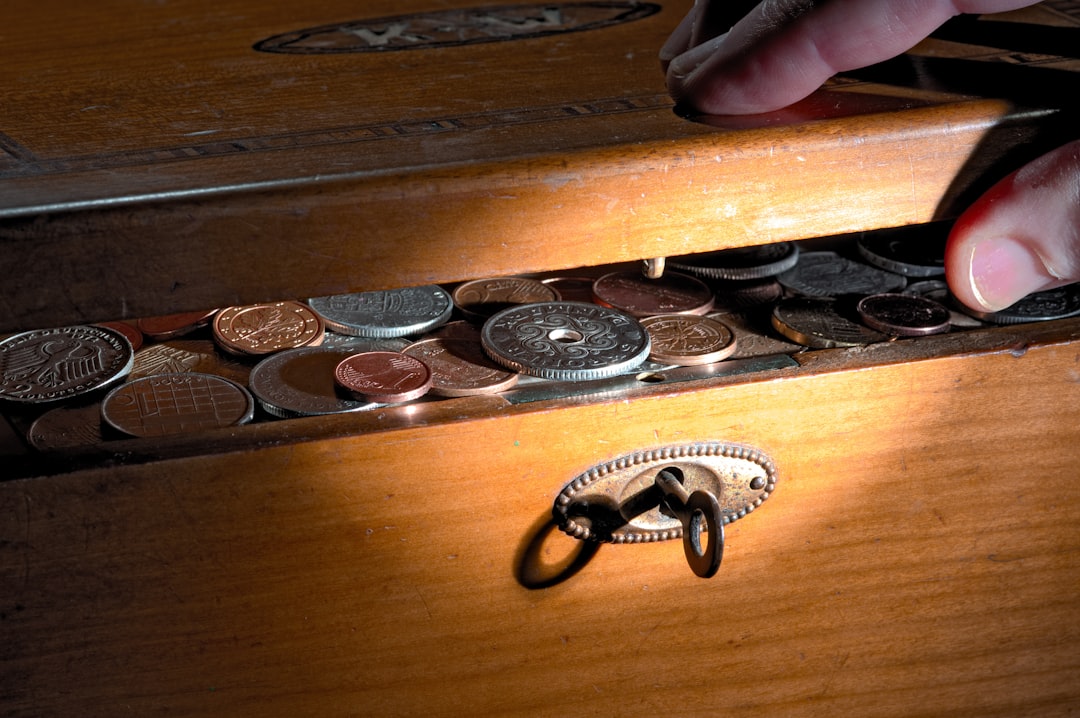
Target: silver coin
570,341
359,345
817,324
49,365
180,403
300,382
904,252
387,313
1043,306
740,264
827,274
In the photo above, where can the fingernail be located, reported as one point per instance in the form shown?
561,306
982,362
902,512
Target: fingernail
1004,271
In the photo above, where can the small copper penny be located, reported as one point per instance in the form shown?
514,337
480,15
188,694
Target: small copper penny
170,326
267,328
460,367
688,339
482,298
128,330
165,404
383,377
904,315
639,296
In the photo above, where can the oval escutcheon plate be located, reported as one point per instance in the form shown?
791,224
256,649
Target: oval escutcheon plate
618,501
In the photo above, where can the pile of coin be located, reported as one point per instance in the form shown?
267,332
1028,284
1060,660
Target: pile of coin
351,352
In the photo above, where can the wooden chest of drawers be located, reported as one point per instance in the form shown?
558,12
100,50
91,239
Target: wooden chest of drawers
920,554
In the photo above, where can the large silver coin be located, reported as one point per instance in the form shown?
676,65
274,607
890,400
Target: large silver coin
827,274
740,264
300,382
49,365
569,341
383,314
817,324
1043,306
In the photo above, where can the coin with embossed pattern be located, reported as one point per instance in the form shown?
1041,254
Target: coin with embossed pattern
752,335
741,263
48,365
481,298
383,377
258,329
904,315
827,274
1042,306
460,367
166,404
67,427
639,296
570,341
300,382
364,344
189,355
387,313
688,339
818,324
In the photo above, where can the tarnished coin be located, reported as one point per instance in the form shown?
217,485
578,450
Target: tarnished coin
827,274
1038,307
67,427
300,382
258,329
740,264
817,323
571,341
171,326
383,377
571,289
364,344
905,252
938,290
387,313
461,368
903,315
166,404
54,364
482,298
128,330
639,296
188,355
688,339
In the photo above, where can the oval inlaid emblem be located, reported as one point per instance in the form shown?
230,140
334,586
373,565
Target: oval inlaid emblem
449,28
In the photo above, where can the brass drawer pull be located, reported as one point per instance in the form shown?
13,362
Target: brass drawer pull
688,491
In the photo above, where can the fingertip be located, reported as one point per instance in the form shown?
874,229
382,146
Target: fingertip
990,273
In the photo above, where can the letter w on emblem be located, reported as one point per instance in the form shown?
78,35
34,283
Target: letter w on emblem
393,31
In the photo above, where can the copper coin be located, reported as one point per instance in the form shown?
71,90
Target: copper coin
904,315
818,324
688,339
639,296
752,336
300,382
48,365
170,326
384,377
67,427
267,328
166,404
175,356
482,298
460,368
128,330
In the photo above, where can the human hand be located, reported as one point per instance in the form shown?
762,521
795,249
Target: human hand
1022,236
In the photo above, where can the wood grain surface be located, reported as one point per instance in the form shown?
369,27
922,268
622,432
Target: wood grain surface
207,173
919,557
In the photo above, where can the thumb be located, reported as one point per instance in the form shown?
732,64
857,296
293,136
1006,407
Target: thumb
1022,236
